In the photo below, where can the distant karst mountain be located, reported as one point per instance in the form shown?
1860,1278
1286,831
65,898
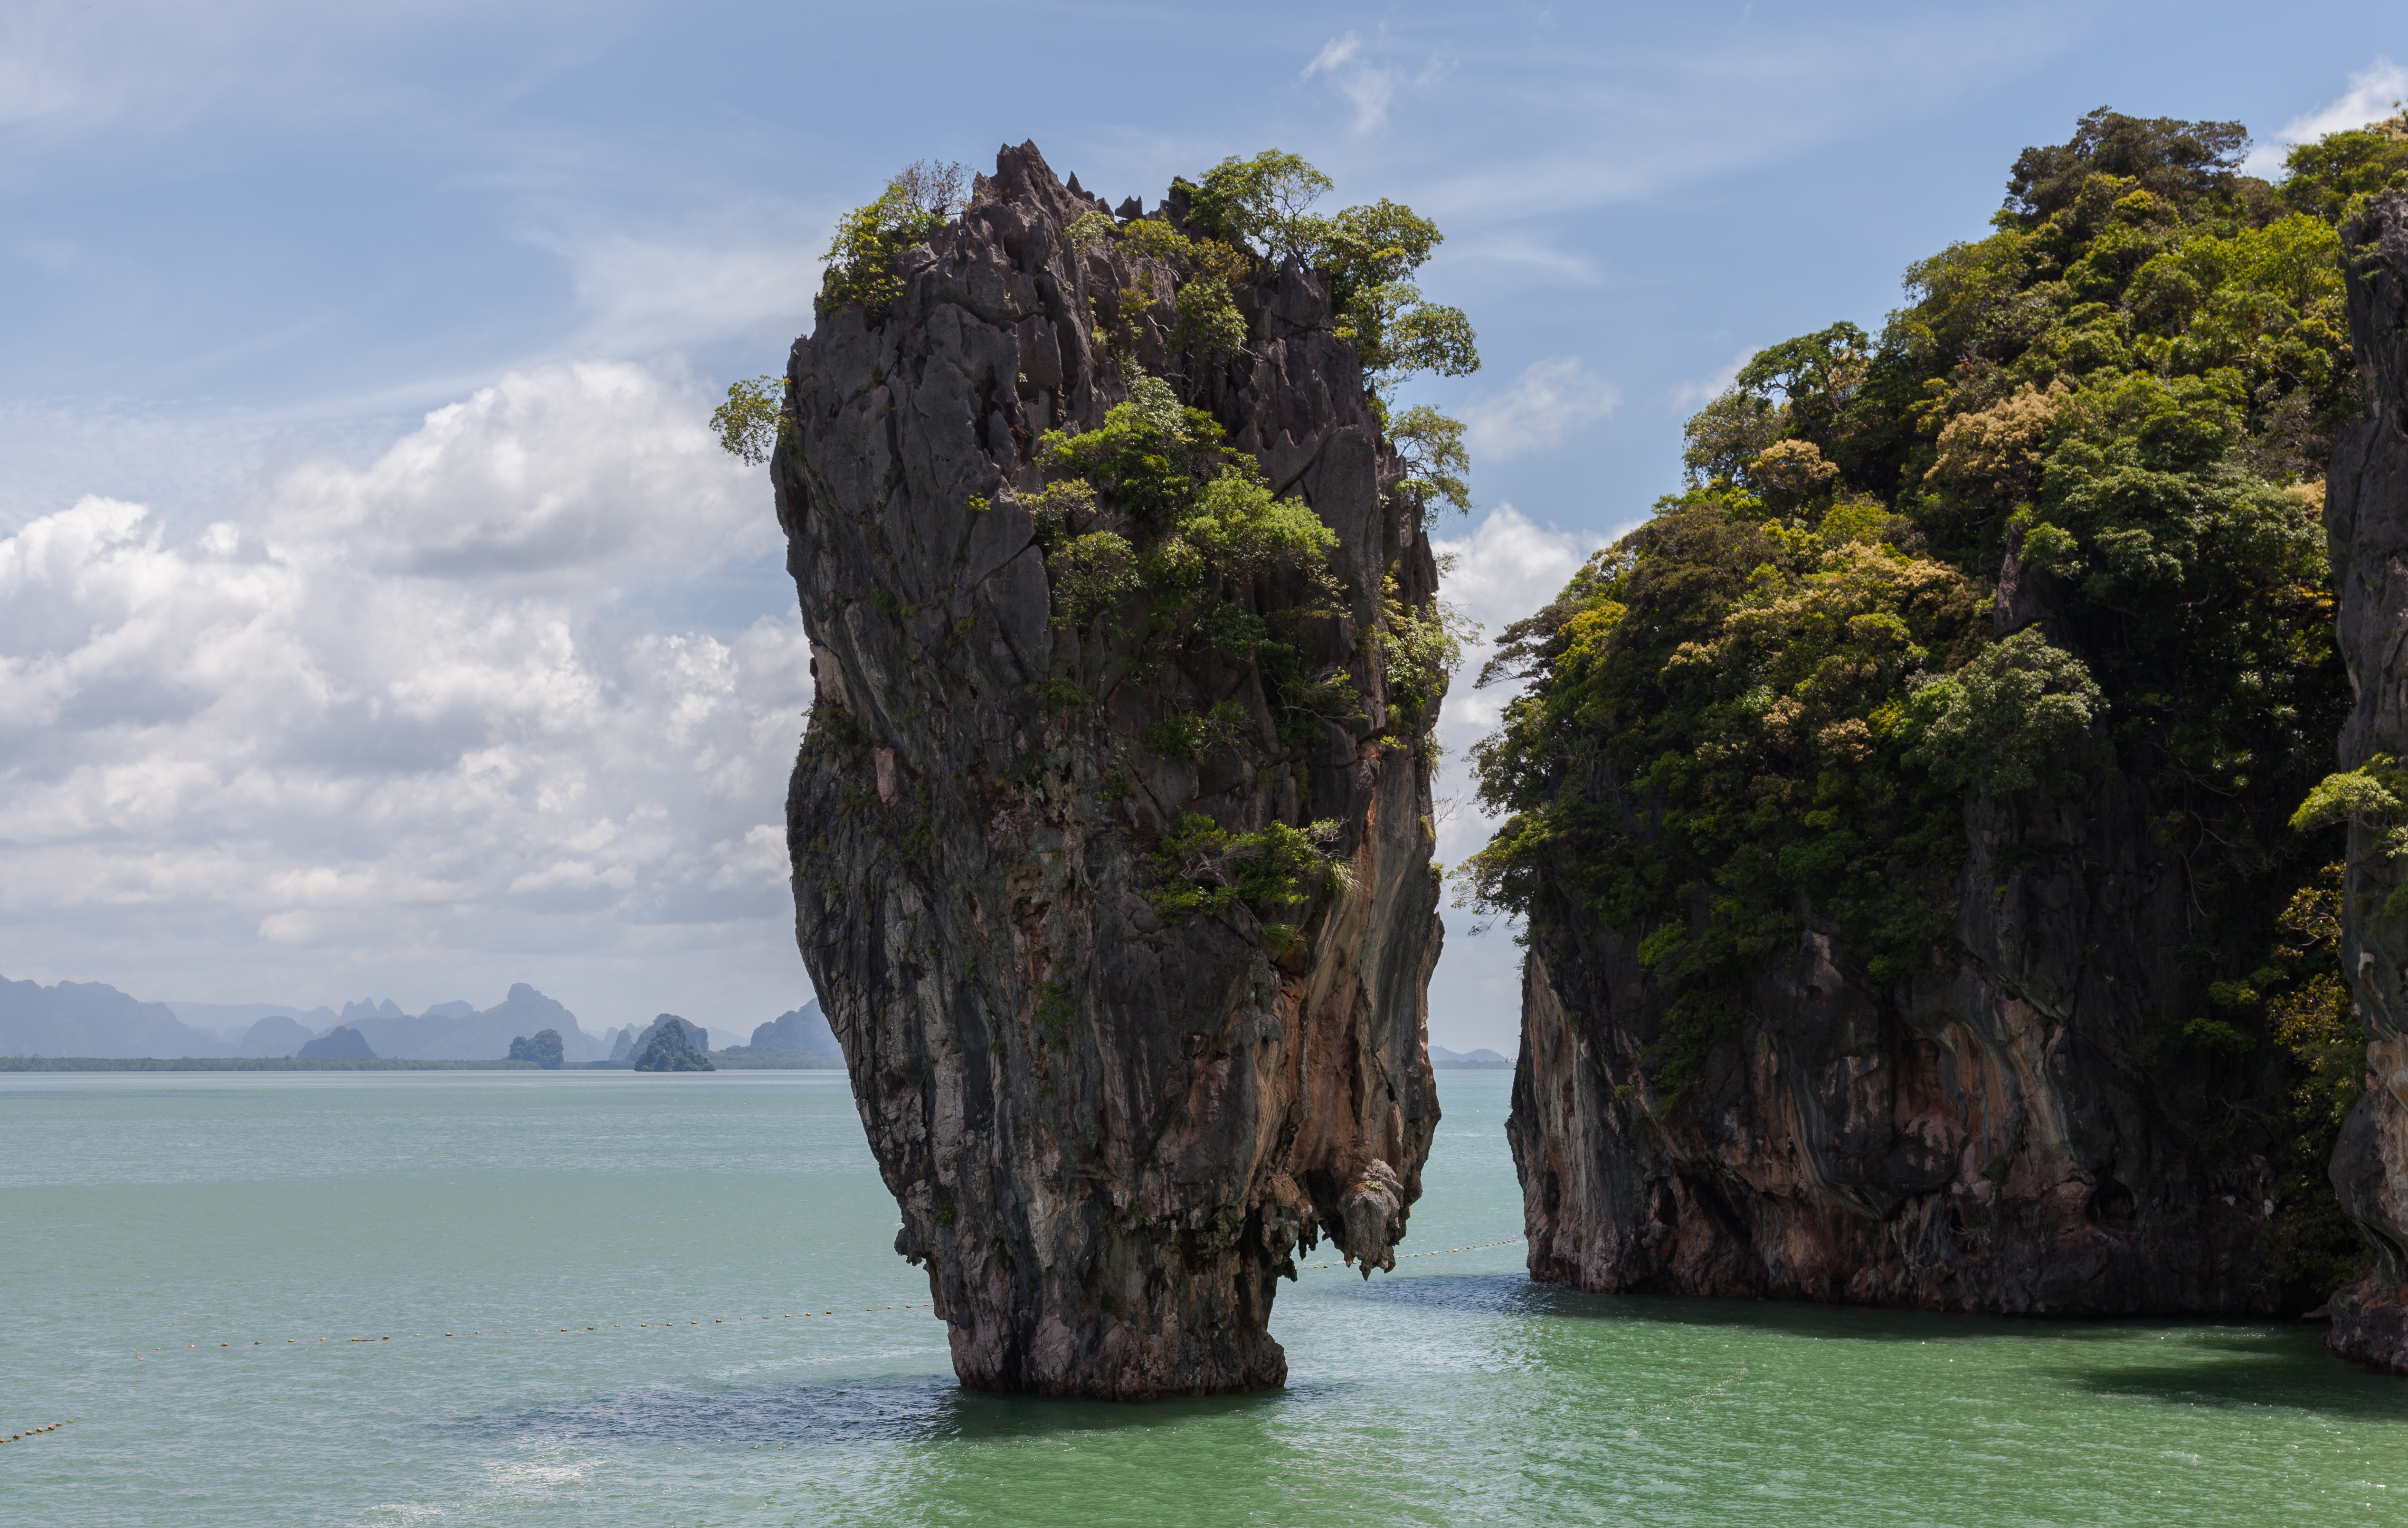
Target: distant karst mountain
801,1033
276,1035
90,1018
1475,1061
457,1031
338,1041
628,1045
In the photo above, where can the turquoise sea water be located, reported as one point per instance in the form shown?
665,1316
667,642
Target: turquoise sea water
145,1220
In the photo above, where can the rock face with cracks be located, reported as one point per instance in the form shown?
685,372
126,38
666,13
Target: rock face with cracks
1970,1141
2366,517
1108,1127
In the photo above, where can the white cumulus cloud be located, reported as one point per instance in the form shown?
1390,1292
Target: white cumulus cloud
2374,93
1506,567
408,726
1368,87
641,294
1700,391
1370,75
1548,401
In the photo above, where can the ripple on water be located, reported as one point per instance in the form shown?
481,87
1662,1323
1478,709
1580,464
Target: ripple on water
1453,1392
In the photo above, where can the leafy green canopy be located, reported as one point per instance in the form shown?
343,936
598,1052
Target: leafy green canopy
1153,528
1370,253
861,258
1733,717
1767,707
753,421
1152,511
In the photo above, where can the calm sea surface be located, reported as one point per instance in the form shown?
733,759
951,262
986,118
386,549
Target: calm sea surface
146,1220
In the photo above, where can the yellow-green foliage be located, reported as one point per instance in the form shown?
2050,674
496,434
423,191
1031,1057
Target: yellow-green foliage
2308,1006
1369,253
1091,574
1205,868
1196,733
1430,444
753,422
2333,176
1208,327
1185,521
1197,510
1745,691
861,258
2370,794
1421,648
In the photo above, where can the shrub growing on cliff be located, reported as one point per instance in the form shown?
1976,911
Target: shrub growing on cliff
2007,718
753,422
1195,513
1369,254
861,257
1205,868
1431,447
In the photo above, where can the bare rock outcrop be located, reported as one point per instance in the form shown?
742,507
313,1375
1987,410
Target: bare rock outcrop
1108,1127
2366,517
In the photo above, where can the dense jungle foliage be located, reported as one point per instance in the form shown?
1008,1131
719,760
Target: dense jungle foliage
1168,541
1160,537
2061,519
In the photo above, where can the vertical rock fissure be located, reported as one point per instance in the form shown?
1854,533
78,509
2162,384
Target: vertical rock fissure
1112,1095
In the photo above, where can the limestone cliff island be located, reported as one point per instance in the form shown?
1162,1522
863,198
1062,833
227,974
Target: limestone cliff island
1111,827
1927,822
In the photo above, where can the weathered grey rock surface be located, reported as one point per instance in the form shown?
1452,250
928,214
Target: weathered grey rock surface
2366,515
1108,1133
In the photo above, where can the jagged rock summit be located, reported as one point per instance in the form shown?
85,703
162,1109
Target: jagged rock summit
1125,933
2366,517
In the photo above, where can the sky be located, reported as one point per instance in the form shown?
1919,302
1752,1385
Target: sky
378,618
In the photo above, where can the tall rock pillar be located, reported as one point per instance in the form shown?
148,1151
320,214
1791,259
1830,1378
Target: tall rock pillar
2366,515
1108,1126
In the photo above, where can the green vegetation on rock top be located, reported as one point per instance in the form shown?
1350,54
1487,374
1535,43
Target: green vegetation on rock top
2098,430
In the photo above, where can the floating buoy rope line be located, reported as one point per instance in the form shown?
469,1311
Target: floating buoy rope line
30,1431
490,1333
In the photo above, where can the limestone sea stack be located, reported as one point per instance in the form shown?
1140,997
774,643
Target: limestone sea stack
2366,517
1123,914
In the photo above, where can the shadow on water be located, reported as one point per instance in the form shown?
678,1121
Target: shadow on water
916,1410
2281,1378
1515,1294
2237,1363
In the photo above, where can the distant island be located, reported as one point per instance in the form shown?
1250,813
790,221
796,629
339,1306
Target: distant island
79,1026
672,1045
1475,1061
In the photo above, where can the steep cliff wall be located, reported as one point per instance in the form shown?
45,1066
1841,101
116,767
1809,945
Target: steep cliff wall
2365,513
1109,1121
1983,1138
